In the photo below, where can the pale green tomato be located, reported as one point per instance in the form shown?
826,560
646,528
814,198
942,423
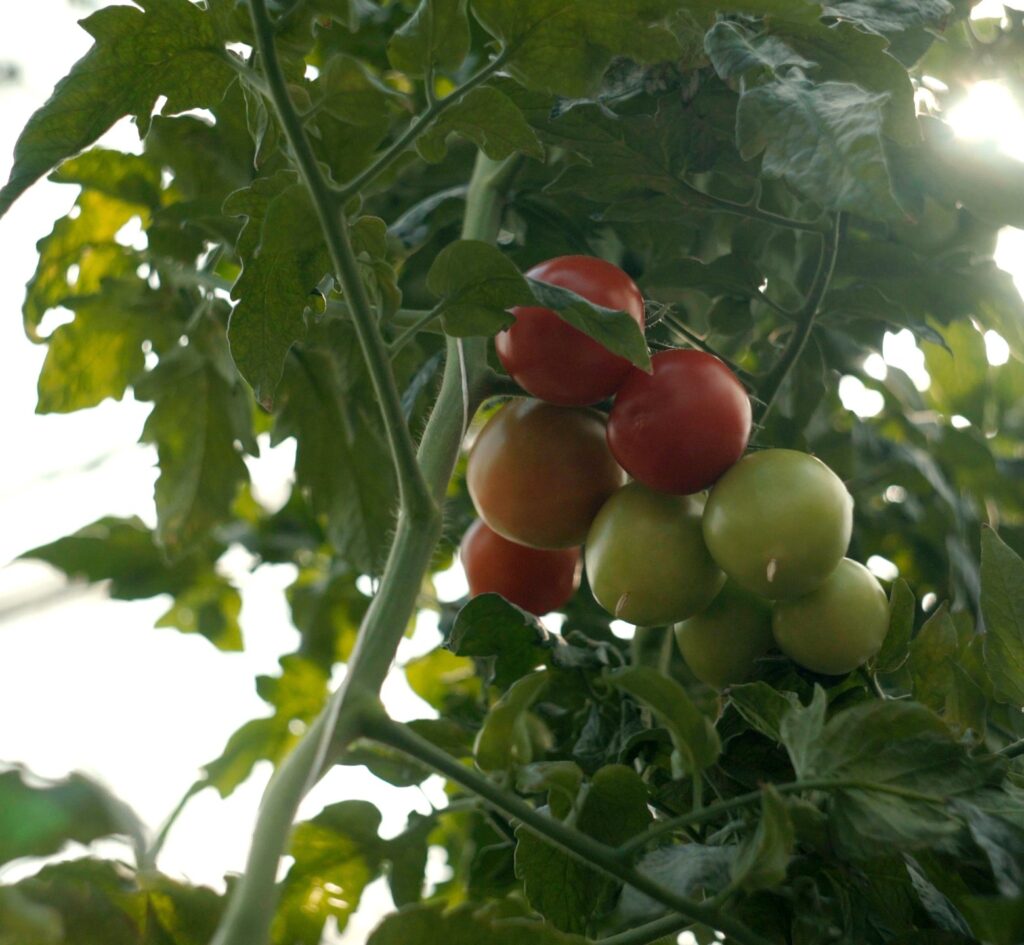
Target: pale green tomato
721,644
646,559
778,523
838,626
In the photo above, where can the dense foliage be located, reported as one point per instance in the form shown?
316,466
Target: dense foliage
319,252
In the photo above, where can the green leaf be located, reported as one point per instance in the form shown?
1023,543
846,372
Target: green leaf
568,894
513,641
616,330
466,924
342,461
284,257
488,118
933,654
337,854
824,139
1002,842
327,609
353,94
297,696
407,854
211,607
735,50
693,734
563,46
24,922
200,412
764,856
167,48
100,353
801,730
476,285
685,868
131,178
37,818
891,16
995,921
83,246
895,647
763,707
1002,603
436,35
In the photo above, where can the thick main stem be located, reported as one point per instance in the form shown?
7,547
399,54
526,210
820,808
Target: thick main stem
579,845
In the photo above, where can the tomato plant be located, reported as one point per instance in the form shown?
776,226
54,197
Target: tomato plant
556,362
836,627
339,212
646,558
538,474
779,522
535,579
722,643
679,428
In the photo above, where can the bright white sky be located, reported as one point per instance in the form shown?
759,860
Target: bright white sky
89,685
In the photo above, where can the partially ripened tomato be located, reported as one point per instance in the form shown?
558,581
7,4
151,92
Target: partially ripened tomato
538,580
836,627
680,428
778,522
552,360
538,474
646,559
721,644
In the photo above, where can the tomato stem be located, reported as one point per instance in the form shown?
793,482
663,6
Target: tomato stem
749,210
805,317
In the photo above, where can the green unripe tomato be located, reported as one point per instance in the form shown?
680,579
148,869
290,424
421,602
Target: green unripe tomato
838,626
721,644
778,523
646,559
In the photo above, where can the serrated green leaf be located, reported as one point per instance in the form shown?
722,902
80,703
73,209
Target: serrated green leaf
131,178
38,817
891,16
297,696
824,139
476,285
337,854
895,647
284,258
933,653
166,48
489,119
342,462
563,46
800,731
1002,603
763,707
568,894
513,641
1002,842
210,607
616,330
762,859
685,868
435,36
200,412
735,50
693,733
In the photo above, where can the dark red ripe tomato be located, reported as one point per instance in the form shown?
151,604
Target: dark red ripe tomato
538,580
556,362
680,428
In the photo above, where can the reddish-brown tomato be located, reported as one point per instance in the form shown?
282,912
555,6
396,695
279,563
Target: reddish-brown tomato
680,428
538,474
536,579
549,358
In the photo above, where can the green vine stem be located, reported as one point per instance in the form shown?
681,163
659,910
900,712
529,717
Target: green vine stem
580,846
424,475
649,932
805,317
689,194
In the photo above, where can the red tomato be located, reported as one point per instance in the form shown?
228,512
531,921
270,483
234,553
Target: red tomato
554,361
535,579
678,429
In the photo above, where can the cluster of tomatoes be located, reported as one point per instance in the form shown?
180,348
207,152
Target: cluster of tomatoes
757,563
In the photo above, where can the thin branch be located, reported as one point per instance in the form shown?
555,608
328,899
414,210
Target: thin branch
387,157
410,331
650,932
691,336
415,497
772,382
749,210
579,845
